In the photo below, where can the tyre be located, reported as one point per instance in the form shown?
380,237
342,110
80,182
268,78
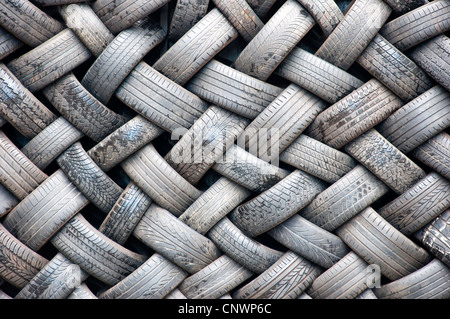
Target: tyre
45,210
286,279
275,40
95,185
199,45
432,57
323,79
95,253
419,205
317,159
418,25
344,199
185,15
21,108
119,58
394,69
45,147
276,204
434,237
385,161
379,243
434,154
215,280
251,254
418,121
232,90
310,241
88,27
429,282
48,62
176,241
359,26
82,109
27,22
355,114
17,173
122,14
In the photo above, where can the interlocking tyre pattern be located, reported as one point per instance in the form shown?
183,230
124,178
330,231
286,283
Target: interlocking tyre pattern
245,149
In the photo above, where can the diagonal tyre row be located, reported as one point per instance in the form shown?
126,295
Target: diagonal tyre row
174,193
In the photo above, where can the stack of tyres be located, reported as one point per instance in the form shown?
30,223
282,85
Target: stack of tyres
239,149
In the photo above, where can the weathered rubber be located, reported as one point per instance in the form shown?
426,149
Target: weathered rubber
310,241
275,40
378,242
45,210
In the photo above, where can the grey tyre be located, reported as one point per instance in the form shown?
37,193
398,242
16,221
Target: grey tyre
235,91
241,15
20,107
419,205
8,43
7,201
119,58
359,26
88,27
434,154
325,12
42,213
288,278
159,99
275,40
205,143
434,237
45,147
27,22
125,214
95,185
185,15
199,45
432,57
249,171
394,69
161,182
385,161
19,264
82,109
57,280
310,241
176,241
418,121
276,204
344,199
429,282
246,251
418,25
379,243
323,79
280,123
214,204
317,159
344,280
95,253
17,173
355,114
154,279
56,57
123,142
215,280
120,15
